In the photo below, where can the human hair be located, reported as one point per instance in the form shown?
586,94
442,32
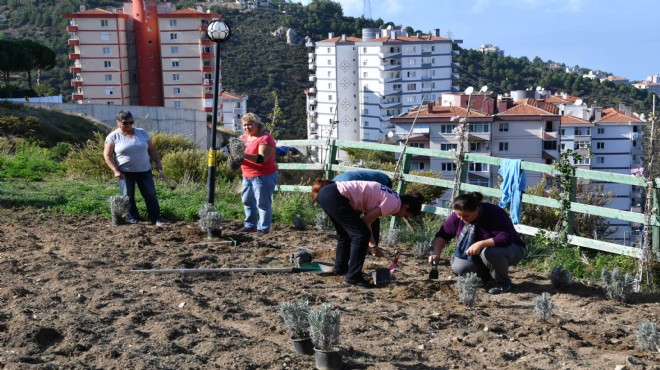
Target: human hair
320,183
467,202
414,202
252,117
124,116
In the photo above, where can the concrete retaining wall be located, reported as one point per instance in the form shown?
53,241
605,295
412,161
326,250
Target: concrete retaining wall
190,123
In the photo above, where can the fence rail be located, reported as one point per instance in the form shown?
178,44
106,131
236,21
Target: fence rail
328,167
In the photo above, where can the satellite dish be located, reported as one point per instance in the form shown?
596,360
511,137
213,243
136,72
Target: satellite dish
469,90
539,88
642,117
484,88
390,134
578,102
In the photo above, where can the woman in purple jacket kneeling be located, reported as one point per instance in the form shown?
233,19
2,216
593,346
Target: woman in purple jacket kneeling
487,243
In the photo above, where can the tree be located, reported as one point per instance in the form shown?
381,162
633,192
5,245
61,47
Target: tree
12,59
275,117
40,57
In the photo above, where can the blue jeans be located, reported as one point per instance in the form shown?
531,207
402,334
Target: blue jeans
257,197
145,182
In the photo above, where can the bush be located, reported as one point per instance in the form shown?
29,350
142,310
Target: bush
543,306
166,143
430,192
324,328
648,336
287,205
294,316
468,288
188,164
617,285
560,277
86,161
30,161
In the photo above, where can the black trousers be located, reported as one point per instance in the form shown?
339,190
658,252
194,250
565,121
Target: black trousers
353,235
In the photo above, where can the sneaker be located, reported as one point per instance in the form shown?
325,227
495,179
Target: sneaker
246,229
132,221
362,283
160,223
502,288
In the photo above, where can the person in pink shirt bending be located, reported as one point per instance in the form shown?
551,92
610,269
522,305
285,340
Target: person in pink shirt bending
345,203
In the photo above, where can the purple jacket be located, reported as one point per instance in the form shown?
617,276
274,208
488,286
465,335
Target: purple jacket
494,223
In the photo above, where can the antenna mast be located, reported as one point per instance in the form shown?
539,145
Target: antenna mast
366,9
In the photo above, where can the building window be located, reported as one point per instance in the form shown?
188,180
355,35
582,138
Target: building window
105,36
447,129
176,77
329,62
177,104
330,97
411,48
563,146
174,50
563,132
601,130
176,91
448,166
504,147
479,127
107,64
416,145
600,160
582,131
584,145
104,23
412,73
504,127
417,166
479,167
411,99
172,22
329,73
411,87
448,147
365,74
173,36
396,87
584,161
175,63
364,50
412,62
109,91
549,145
106,51
108,78
600,145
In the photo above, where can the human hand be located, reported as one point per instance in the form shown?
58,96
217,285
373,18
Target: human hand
375,251
433,257
474,250
159,167
118,174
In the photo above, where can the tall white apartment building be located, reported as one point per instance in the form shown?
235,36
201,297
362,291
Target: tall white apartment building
359,83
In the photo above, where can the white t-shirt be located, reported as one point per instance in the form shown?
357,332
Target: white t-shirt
131,153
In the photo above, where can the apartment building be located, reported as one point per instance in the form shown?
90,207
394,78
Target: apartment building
359,83
144,53
234,106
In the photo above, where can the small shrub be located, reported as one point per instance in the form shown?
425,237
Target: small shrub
324,327
560,277
206,208
119,205
211,221
86,161
294,316
543,306
289,204
648,336
60,151
187,164
391,237
468,288
30,161
423,248
322,222
299,223
166,143
618,286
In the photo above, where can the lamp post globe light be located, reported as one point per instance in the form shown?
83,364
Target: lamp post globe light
218,32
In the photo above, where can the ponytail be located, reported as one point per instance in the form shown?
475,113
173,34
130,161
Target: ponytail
320,183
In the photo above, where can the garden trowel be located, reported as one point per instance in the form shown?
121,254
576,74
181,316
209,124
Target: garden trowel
433,274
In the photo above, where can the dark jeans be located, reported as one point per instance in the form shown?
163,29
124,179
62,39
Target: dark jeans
352,233
145,182
493,263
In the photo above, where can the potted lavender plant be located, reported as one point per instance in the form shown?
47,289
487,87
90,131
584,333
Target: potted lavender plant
324,331
294,317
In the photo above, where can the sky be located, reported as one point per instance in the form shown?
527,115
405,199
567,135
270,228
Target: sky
615,36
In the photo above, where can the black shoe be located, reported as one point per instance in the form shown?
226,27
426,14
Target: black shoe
502,288
362,283
332,273
246,229
262,232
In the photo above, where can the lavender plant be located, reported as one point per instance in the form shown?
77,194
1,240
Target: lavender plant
468,288
422,248
617,285
119,206
324,327
391,237
211,221
543,306
294,317
322,222
648,336
560,277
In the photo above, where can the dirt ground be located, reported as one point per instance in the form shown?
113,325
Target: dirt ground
69,301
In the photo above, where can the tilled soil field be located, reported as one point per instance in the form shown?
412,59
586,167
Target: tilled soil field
69,301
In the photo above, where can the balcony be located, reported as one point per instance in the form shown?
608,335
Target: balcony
74,42
455,53
76,82
208,95
207,55
455,76
207,82
312,66
74,56
312,101
312,78
77,97
75,70
71,28
455,64
207,69
312,90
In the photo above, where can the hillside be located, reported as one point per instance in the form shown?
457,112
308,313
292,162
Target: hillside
261,65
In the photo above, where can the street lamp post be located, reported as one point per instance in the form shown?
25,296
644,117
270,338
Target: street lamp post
218,32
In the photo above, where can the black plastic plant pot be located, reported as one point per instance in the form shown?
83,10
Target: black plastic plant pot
381,276
303,346
118,220
327,360
214,233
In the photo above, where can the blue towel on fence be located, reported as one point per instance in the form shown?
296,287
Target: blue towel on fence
513,186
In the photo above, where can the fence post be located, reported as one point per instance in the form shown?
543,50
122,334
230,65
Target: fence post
570,229
401,184
330,160
655,214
